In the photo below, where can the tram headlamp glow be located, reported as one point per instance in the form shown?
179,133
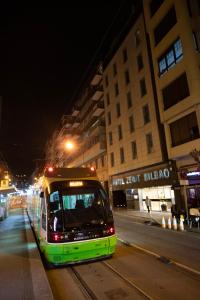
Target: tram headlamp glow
75,183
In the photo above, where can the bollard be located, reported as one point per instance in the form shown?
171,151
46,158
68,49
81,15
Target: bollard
174,223
181,226
163,223
169,223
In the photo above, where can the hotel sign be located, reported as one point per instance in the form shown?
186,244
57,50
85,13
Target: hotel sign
157,176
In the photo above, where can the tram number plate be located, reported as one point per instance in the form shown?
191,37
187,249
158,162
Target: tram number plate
78,238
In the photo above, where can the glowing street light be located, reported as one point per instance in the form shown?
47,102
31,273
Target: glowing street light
69,145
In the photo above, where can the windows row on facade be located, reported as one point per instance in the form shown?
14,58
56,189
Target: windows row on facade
133,149
145,113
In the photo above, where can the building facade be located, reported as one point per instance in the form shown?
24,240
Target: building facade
84,127
174,31
137,161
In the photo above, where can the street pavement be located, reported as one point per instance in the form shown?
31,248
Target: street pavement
21,270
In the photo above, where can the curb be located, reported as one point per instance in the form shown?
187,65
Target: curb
41,286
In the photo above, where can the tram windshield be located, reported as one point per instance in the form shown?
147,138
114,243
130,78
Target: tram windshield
78,207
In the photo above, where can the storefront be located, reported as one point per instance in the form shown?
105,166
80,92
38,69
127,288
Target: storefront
155,182
190,183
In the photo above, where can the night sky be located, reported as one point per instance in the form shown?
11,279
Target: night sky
44,56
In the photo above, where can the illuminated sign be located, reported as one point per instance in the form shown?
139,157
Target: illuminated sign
193,174
75,183
144,177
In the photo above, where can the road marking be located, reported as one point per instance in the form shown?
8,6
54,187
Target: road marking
159,256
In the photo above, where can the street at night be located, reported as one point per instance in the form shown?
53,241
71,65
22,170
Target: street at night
100,150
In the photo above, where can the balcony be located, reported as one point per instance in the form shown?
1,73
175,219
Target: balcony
67,120
97,77
89,122
97,92
75,111
98,109
76,123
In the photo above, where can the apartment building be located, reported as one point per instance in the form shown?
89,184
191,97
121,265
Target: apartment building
174,31
137,160
84,127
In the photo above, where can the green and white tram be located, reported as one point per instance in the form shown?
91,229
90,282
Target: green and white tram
72,217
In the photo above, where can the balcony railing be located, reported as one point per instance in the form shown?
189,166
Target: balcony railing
67,120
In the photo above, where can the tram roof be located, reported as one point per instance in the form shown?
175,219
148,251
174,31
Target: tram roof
69,173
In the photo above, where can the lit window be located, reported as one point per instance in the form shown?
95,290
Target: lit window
178,48
162,65
170,58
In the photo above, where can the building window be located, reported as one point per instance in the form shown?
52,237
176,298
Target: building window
195,36
143,89
171,57
106,80
125,55
102,161
122,159
154,6
140,62
134,149
189,8
120,132
176,91
131,124
129,100
146,115
127,77
116,89
112,159
137,38
110,138
149,142
184,130
165,25
118,110
108,99
114,69
96,164
109,118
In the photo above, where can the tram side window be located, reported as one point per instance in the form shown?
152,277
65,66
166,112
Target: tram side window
44,213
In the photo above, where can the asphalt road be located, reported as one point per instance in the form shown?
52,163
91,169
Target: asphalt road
183,247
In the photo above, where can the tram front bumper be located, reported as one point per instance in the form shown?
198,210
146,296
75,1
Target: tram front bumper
74,252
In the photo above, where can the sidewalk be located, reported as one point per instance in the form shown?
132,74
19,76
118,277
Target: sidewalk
21,270
143,216
153,218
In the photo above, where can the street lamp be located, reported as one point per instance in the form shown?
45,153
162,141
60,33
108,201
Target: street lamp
69,145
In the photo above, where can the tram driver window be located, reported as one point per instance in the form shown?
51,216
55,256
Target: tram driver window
54,202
